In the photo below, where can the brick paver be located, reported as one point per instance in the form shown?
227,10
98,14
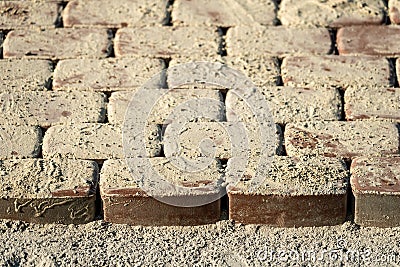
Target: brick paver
47,191
376,188
20,141
394,11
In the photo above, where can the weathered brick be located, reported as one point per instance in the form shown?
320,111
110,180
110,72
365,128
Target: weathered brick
309,191
331,13
277,41
223,13
20,141
342,139
109,74
56,43
45,108
335,71
369,40
166,41
372,103
113,14
47,191
125,202
376,188
18,14
168,103
288,104
94,141
394,11
24,74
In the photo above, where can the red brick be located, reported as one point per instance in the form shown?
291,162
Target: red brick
394,11
19,141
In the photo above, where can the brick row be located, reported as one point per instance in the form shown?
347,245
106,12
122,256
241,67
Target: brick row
20,141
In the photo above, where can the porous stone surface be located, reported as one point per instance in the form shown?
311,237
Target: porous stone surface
394,11
19,141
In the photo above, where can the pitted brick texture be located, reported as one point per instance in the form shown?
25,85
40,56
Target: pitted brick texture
21,141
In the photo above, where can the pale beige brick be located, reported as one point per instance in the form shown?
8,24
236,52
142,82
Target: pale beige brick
19,141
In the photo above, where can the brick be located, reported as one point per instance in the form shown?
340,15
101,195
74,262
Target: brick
24,74
369,40
94,141
223,13
314,13
20,141
342,139
289,104
19,14
295,192
168,103
57,43
105,74
48,191
46,108
125,202
394,11
335,71
166,41
113,14
277,41
372,103
376,188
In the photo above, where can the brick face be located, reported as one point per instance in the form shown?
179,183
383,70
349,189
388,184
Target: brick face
20,141
394,11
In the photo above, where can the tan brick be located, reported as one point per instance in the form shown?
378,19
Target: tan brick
109,74
56,43
20,141
223,13
46,108
335,71
23,74
372,103
394,11
342,139
277,41
369,40
113,14
166,41
95,141
47,191
331,13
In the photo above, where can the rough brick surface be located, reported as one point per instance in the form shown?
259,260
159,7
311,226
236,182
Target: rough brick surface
56,43
394,11
342,139
277,41
223,13
372,103
19,141
369,40
113,14
24,74
112,74
293,192
331,13
166,41
125,202
46,191
335,71
46,108
376,188
289,104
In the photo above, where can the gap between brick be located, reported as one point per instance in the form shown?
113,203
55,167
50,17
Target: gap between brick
110,46
393,79
222,44
333,49
167,20
58,23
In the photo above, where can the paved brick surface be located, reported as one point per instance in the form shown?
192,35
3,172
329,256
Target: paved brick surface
342,139
335,71
223,13
372,103
46,191
24,74
295,192
376,189
331,13
394,11
289,104
112,74
45,108
125,202
372,40
56,43
20,141
113,14
166,41
277,41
